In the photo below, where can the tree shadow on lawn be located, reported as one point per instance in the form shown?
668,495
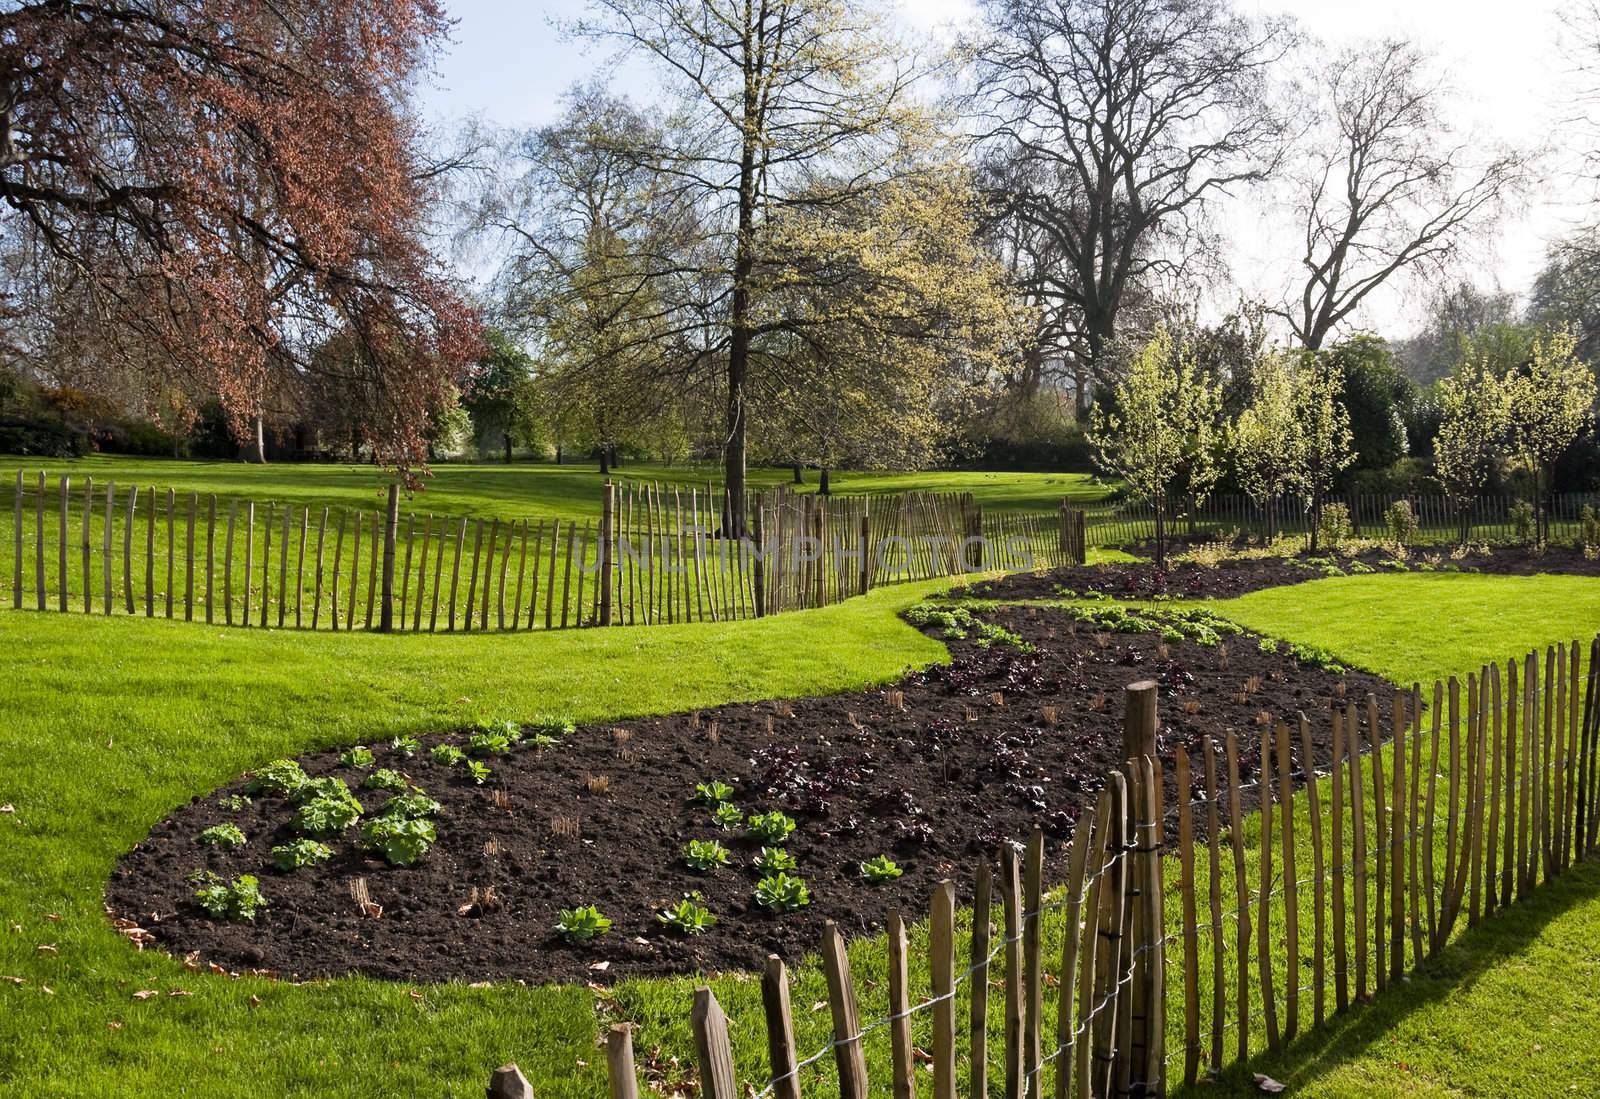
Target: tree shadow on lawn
1318,1053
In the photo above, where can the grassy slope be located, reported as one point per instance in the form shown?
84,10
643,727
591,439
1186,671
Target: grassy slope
131,730
1507,1009
522,490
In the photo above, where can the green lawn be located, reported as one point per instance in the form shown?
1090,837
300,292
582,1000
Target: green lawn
523,490
113,722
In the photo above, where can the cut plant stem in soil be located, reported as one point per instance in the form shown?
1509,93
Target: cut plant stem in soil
935,772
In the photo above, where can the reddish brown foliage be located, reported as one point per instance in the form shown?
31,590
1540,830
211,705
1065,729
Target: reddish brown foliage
231,183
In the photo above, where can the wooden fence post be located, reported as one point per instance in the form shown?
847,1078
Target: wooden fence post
1139,720
711,1046
621,1075
848,1054
941,966
391,532
905,1081
780,1029
509,1083
608,532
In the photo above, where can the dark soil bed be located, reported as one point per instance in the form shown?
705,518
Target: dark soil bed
1233,576
974,753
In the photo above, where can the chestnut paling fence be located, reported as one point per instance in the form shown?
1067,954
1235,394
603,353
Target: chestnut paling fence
1186,914
656,554
1439,519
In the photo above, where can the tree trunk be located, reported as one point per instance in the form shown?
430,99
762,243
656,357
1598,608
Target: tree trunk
799,474
255,451
558,454
605,460
508,447
739,323
822,484
1161,535
1316,518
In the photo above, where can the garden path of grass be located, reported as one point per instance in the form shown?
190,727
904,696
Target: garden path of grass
110,723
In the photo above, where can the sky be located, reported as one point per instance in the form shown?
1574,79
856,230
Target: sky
1503,64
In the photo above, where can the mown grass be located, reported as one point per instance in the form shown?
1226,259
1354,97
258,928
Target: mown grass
112,723
522,490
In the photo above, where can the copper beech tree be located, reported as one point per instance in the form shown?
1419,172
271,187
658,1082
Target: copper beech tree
225,186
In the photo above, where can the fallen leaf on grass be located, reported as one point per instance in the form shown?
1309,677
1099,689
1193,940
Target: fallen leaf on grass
255,1001
53,917
47,990
180,992
113,1025
481,984
599,967
145,994
14,980
8,808
47,948
1269,1085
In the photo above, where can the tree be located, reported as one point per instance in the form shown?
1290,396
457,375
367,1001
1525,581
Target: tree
1566,292
502,398
1384,188
1266,445
1549,402
1474,419
233,181
1161,435
1119,121
1376,395
595,240
898,316
779,105
1324,431
1456,314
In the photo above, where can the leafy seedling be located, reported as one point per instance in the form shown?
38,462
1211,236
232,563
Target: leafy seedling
479,772
773,859
327,816
687,917
782,893
414,806
726,816
581,924
712,793
773,827
385,779
236,803
448,754
400,841
222,835
407,746
281,778
240,899
880,868
360,757
705,855
302,852
489,744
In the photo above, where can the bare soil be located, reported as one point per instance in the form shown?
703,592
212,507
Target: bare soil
937,772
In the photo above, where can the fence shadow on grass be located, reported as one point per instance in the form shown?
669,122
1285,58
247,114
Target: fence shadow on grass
1472,955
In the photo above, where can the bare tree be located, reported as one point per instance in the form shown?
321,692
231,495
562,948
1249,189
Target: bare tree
1385,187
1120,120
777,104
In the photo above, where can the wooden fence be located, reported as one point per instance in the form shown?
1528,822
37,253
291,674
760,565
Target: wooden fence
1202,896
657,553
1439,519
